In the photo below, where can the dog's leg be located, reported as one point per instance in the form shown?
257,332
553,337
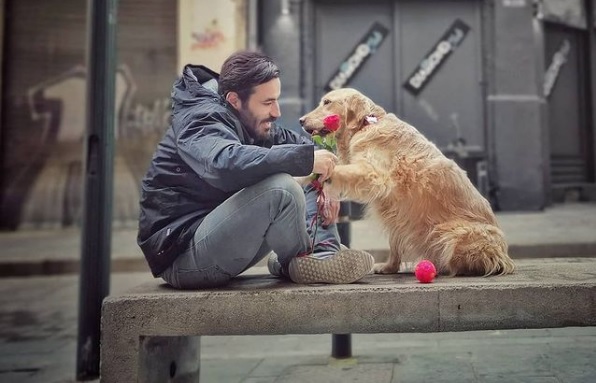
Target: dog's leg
389,267
393,262
359,182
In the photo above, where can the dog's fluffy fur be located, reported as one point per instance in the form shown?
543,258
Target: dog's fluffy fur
426,203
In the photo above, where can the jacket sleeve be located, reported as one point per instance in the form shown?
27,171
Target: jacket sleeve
214,151
287,136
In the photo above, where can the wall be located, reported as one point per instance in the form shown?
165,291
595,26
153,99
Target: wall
209,31
516,105
281,39
504,57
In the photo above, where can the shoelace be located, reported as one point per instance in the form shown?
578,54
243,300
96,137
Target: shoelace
314,224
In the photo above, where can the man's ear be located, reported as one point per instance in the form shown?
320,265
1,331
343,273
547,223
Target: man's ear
234,100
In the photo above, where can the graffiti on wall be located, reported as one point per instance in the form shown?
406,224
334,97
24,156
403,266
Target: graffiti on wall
54,197
211,37
209,31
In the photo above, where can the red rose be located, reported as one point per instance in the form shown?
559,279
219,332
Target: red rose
331,122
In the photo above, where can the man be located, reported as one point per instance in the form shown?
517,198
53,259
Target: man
220,195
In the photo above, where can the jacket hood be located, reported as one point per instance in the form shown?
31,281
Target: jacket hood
197,83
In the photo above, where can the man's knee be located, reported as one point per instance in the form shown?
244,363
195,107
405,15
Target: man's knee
284,194
287,183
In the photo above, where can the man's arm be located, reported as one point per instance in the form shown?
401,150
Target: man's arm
215,153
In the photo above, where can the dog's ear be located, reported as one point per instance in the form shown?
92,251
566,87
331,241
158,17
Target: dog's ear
358,107
356,110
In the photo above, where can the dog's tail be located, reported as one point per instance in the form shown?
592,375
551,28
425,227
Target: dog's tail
469,248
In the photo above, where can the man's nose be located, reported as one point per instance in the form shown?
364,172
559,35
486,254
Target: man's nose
275,110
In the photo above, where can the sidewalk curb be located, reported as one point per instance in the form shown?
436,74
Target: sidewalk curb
45,267
542,250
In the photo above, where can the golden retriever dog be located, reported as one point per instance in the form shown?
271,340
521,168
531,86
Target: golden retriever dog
424,201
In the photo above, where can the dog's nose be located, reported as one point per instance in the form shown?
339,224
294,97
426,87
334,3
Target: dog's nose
301,120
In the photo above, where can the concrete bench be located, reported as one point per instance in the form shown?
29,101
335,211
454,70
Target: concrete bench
153,329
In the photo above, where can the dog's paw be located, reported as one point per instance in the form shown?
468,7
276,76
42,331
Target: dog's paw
384,268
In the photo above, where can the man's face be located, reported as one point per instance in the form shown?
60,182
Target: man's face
261,109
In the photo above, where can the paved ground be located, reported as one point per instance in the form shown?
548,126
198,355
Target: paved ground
38,345
38,321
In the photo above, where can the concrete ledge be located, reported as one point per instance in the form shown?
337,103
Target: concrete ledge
543,293
263,304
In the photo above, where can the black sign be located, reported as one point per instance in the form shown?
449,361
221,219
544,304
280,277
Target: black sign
436,57
367,46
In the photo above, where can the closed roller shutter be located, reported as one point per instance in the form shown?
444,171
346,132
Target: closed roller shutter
43,106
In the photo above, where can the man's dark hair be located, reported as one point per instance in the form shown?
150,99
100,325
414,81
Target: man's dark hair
244,70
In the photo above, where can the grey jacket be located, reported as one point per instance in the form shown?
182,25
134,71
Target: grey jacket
204,158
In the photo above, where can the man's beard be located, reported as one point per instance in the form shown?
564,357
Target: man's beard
252,125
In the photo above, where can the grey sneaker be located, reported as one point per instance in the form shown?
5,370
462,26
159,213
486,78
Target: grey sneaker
274,266
345,266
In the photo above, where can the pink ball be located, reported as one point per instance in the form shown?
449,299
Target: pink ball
425,271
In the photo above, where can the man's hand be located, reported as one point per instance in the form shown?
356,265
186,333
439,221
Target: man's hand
324,164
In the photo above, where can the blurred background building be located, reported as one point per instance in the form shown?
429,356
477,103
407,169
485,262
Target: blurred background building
505,87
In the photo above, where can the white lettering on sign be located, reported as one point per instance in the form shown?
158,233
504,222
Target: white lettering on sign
552,73
428,65
514,3
365,48
349,66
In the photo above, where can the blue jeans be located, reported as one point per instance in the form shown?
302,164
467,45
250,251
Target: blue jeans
268,216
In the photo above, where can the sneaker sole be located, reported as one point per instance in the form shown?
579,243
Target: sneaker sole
347,266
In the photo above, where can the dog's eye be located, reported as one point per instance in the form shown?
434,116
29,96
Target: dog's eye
326,102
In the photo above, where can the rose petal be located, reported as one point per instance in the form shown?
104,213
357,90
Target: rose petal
332,122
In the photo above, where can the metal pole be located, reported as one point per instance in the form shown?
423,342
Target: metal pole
341,344
98,178
591,80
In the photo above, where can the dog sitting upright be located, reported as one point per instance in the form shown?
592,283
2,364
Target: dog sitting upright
425,201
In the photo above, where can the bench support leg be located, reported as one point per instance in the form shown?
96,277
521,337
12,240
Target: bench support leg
169,359
341,346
